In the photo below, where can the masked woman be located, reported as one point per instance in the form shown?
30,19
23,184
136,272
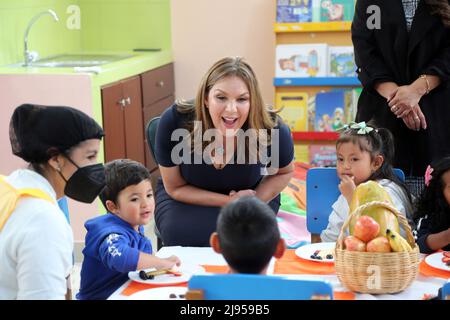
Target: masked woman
36,242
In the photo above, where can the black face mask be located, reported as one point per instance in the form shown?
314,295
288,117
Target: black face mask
86,183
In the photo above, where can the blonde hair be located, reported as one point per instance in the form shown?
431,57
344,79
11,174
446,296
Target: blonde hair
260,115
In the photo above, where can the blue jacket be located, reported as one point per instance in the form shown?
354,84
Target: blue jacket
112,250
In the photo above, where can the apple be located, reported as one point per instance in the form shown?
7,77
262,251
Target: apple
352,243
366,228
380,244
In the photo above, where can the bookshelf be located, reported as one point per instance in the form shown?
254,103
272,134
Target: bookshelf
316,81
313,26
333,33
314,136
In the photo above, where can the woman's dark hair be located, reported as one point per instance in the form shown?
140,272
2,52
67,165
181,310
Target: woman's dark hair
248,234
121,174
432,201
442,9
379,141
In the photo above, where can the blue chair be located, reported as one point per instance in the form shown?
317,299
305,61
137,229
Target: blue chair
150,132
445,291
321,192
255,287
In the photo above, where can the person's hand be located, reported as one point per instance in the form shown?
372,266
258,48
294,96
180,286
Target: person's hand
448,236
347,187
242,193
404,100
170,262
415,119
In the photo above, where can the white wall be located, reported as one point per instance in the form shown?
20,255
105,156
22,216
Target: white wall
204,31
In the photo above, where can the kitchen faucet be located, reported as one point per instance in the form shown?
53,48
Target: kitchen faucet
31,56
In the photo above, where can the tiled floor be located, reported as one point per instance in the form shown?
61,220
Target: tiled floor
77,267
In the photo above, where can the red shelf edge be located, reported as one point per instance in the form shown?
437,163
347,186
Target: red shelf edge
311,135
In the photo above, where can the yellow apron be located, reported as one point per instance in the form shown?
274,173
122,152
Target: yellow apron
10,195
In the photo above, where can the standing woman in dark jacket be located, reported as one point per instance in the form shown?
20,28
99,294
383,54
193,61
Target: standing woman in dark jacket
402,50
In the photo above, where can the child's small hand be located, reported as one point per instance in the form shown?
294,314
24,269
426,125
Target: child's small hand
174,260
170,262
347,187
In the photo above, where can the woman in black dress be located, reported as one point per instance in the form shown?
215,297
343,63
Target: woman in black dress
402,50
199,178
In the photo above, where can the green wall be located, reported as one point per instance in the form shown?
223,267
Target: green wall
106,25
46,37
125,24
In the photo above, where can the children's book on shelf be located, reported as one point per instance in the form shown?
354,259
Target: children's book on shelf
301,60
351,116
293,11
294,109
311,112
349,111
337,10
329,113
351,97
301,152
322,155
342,61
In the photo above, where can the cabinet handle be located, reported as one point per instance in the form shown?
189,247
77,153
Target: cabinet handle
160,84
128,100
122,102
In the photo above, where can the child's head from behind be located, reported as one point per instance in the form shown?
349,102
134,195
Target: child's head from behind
128,192
435,199
247,235
365,153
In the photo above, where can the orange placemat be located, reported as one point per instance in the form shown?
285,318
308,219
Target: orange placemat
290,263
429,271
343,295
134,287
216,269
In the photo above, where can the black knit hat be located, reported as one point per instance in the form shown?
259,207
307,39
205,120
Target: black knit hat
38,132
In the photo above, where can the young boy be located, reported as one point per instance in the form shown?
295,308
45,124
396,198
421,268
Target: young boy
115,242
247,236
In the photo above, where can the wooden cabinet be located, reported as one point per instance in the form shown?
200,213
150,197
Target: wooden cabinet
157,94
123,121
128,105
158,89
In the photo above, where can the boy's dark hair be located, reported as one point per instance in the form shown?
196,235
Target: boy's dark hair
120,174
379,141
432,201
248,234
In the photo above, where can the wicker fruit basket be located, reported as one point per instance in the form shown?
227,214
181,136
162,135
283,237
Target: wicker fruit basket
375,272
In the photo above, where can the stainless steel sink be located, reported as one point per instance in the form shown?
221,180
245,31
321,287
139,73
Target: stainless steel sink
78,60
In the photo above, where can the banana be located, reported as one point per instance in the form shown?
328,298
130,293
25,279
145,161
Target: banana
397,242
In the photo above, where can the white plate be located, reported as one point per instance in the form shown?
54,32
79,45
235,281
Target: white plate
163,293
306,251
435,260
186,273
